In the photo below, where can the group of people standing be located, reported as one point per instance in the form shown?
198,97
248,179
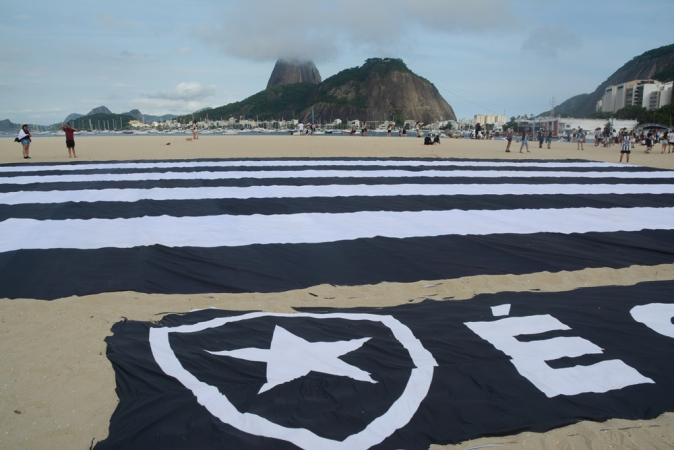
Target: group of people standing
25,139
653,137
607,137
309,129
525,135
479,134
628,138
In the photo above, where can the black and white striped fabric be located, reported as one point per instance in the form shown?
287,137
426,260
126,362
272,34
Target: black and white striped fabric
259,225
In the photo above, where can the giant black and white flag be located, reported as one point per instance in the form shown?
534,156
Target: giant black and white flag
259,225
393,378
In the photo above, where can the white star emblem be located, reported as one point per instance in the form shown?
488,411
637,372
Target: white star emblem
290,357
395,417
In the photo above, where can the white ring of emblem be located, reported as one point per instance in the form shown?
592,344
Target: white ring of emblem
397,416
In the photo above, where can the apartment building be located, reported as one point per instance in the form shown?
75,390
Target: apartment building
650,94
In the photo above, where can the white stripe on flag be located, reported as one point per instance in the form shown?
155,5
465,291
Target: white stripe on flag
300,163
203,175
227,230
327,191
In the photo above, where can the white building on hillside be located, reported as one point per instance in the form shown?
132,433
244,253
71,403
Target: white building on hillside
660,97
138,124
649,94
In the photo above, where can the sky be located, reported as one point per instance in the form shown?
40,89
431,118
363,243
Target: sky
507,57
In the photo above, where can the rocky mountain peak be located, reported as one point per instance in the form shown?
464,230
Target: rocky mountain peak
292,71
99,110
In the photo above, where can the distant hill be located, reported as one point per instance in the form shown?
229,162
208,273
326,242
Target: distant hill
275,103
136,114
7,126
72,116
381,89
148,118
99,110
656,64
102,118
102,121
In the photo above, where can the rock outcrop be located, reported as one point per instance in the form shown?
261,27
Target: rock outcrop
380,90
99,110
292,72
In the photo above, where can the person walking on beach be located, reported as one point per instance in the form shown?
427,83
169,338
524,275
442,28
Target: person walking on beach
195,133
626,147
313,128
509,138
525,143
581,139
665,140
541,138
70,139
363,131
417,128
300,127
24,139
649,142
388,131
597,136
548,138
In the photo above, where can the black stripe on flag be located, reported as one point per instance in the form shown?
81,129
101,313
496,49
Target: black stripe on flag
438,372
327,205
264,226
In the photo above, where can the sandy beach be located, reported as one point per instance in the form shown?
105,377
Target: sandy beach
58,387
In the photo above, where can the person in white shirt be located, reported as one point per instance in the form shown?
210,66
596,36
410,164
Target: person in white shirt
24,139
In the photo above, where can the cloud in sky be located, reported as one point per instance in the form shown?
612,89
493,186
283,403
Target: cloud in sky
110,21
547,41
186,92
126,55
300,29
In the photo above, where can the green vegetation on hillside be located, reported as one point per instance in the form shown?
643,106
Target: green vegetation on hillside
272,103
8,126
655,53
102,122
355,78
571,107
664,76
